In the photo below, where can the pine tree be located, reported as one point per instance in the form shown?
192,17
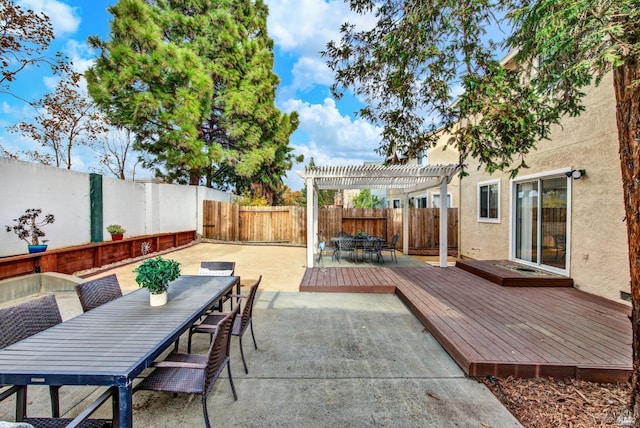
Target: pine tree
193,80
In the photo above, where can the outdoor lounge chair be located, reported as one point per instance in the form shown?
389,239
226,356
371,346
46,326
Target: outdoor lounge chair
99,291
241,322
217,268
391,247
23,320
195,373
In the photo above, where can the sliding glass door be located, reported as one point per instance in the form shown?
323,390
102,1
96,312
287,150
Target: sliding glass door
540,221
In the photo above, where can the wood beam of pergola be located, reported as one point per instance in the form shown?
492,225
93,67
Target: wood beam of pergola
407,178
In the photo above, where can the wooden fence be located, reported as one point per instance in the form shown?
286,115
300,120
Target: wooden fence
230,222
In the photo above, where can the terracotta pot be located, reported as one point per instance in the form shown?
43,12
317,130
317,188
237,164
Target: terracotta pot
158,299
117,236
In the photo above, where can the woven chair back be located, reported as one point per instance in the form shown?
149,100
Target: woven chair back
219,350
99,291
26,319
247,311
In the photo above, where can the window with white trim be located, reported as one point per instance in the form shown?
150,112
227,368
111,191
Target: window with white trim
489,201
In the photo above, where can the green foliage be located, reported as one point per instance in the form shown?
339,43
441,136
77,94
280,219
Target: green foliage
292,198
28,228
364,199
156,274
195,83
420,55
326,197
255,199
115,229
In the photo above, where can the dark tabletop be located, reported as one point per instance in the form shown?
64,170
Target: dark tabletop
113,343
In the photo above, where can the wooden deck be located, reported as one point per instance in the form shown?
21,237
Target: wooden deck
493,330
512,274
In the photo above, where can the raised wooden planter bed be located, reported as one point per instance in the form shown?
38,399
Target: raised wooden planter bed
82,257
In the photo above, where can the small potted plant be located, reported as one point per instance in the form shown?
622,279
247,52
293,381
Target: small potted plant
28,228
116,232
155,275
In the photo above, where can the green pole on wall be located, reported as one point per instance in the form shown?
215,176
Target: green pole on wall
95,196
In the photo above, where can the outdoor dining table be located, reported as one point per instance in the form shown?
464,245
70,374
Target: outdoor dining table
112,344
359,244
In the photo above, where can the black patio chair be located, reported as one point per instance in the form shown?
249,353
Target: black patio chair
195,373
240,324
347,246
390,247
99,291
373,247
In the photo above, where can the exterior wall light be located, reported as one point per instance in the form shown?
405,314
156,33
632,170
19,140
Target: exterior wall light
576,174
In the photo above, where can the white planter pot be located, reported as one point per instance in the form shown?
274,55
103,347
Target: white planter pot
158,299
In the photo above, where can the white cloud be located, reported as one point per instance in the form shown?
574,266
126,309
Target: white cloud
80,54
63,17
331,138
303,28
307,73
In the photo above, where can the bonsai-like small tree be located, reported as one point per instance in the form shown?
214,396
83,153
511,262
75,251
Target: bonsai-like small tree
27,226
155,274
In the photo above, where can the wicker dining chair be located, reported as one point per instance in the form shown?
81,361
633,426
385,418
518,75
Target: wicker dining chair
99,291
24,320
217,268
195,373
241,322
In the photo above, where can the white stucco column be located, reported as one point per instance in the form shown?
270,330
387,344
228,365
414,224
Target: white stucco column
405,224
312,220
444,223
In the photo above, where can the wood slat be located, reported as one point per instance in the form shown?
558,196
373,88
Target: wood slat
489,329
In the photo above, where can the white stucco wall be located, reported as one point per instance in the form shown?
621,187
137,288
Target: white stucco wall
123,204
56,191
141,208
598,249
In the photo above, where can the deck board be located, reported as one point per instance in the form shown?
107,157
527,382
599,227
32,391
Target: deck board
490,329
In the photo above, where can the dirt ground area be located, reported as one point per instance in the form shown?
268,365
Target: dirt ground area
562,403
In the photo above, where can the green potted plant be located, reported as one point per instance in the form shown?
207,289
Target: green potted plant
116,231
155,275
28,228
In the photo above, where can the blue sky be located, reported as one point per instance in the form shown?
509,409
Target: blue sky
329,131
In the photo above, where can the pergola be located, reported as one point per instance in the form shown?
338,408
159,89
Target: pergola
410,179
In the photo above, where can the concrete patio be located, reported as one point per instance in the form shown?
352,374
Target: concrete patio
324,359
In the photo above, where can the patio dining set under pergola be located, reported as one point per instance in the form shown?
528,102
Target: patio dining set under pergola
409,179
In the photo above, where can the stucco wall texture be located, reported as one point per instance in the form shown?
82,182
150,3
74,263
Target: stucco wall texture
597,250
